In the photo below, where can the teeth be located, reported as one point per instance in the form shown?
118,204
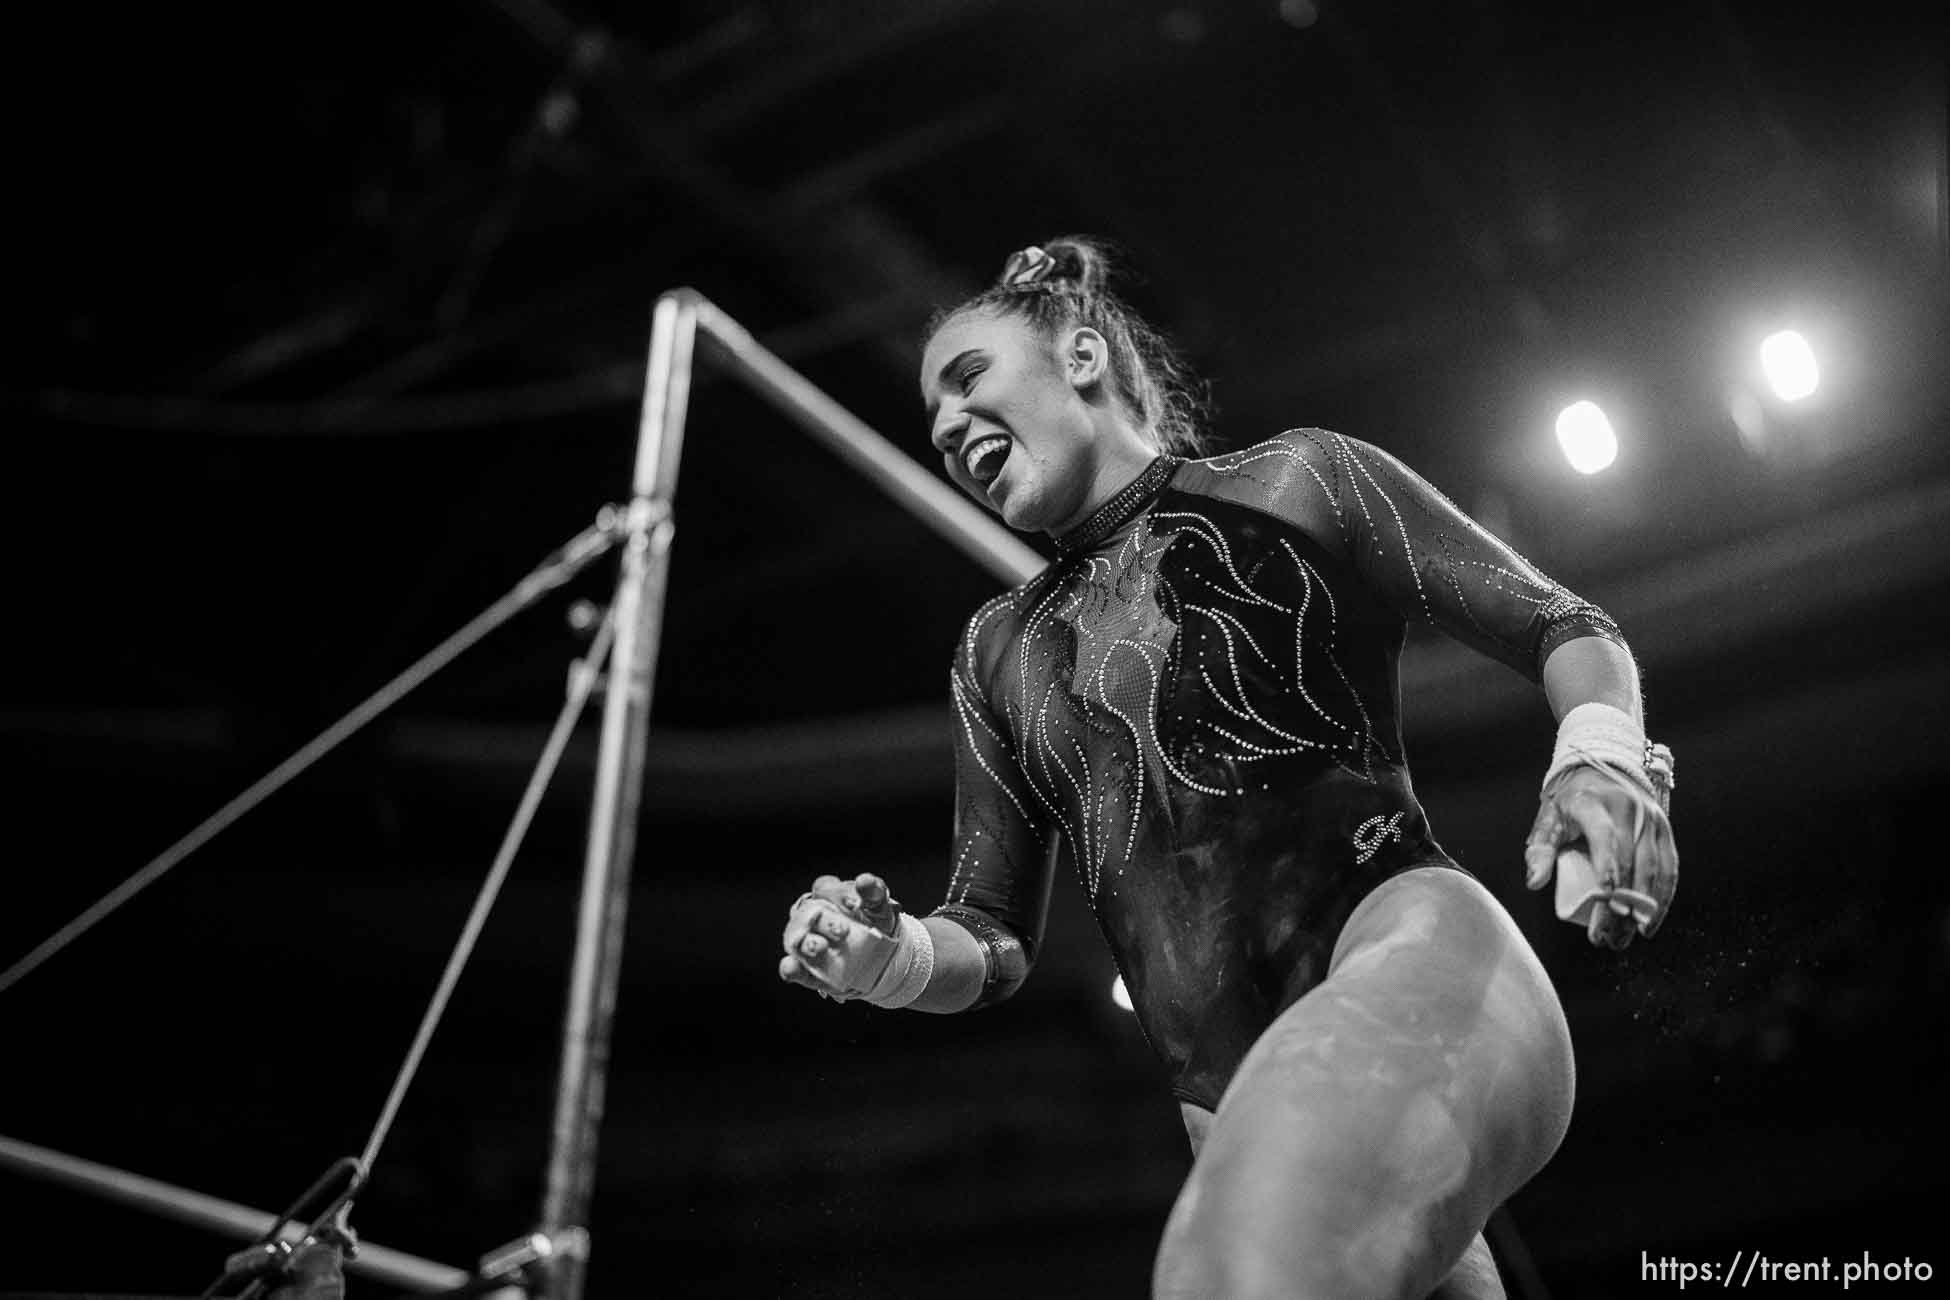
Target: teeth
983,459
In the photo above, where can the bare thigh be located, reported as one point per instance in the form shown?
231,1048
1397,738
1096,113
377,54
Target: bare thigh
1373,1127
1473,1278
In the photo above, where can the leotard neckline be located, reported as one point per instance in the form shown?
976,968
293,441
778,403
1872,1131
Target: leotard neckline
1121,508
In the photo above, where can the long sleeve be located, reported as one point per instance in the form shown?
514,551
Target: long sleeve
1001,867
1409,545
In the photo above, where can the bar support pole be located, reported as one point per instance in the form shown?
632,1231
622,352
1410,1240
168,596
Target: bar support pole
638,613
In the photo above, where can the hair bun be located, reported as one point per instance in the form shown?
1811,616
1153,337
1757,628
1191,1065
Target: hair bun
1070,259
1083,261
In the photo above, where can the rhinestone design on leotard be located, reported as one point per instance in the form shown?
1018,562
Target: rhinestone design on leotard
1408,539
1202,703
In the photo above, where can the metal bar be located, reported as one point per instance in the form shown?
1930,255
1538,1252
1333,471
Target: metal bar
939,506
227,1217
638,614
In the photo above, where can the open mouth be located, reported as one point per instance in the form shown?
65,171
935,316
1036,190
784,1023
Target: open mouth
983,458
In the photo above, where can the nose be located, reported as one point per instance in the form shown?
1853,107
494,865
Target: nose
950,427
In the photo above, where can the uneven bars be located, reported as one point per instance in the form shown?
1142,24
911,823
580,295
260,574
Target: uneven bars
939,506
213,1213
882,463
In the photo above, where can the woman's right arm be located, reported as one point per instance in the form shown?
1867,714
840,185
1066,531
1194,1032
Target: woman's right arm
842,936
839,940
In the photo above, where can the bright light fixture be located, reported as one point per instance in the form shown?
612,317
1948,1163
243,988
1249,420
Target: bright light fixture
1586,437
1789,364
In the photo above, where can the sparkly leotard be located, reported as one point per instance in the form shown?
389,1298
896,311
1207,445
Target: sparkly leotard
1201,695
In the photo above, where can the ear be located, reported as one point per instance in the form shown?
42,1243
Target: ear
1085,357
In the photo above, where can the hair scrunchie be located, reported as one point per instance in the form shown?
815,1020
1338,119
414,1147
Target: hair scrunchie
1025,267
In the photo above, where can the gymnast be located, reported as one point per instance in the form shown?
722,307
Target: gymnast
1196,706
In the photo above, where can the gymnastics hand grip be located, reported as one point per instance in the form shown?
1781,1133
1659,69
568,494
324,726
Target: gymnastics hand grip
1580,892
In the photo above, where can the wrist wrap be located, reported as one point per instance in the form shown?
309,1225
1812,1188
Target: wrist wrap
908,971
1600,736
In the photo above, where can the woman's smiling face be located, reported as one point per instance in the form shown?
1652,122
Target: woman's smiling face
1013,430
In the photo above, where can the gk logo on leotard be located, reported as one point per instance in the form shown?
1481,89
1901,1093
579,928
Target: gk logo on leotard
1371,834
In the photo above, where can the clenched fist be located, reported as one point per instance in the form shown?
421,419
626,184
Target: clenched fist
840,936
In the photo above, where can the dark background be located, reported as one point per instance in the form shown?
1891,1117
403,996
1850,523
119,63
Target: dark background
328,325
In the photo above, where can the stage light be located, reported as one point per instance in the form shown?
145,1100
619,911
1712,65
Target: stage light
1119,994
1586,437
1789,364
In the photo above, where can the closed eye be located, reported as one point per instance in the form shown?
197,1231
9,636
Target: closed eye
966,379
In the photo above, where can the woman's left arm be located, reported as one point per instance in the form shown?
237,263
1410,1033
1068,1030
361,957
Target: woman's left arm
1602,826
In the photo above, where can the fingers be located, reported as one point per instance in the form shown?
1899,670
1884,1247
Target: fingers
1586,901
863,898
1655,872
812,918
1593,820
798,924
849,895
1582,900
1612,923
1540,849
1606,928
828,925
813,937
878,908
1575,825
832,950
1623,842
1631,898
1646,871
1638,904
793,971
865,894
813,930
